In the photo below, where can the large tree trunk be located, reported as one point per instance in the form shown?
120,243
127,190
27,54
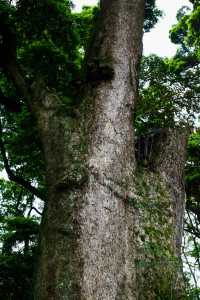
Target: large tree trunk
91,234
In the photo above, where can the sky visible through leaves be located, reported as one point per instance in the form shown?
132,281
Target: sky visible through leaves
157,41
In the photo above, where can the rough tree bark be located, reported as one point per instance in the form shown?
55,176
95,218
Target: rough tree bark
160,205
86,239
110,228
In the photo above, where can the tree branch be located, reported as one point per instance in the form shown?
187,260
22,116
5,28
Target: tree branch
194,209
32,207
17,179
13,71
36,210
10,104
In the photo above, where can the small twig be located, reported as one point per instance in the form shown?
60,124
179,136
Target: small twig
37,211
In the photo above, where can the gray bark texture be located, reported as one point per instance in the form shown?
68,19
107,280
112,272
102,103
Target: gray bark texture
98,220
160,208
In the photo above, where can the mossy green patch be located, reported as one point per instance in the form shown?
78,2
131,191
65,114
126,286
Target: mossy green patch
157,264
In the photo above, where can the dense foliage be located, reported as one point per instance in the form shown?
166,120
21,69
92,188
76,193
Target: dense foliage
167,97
